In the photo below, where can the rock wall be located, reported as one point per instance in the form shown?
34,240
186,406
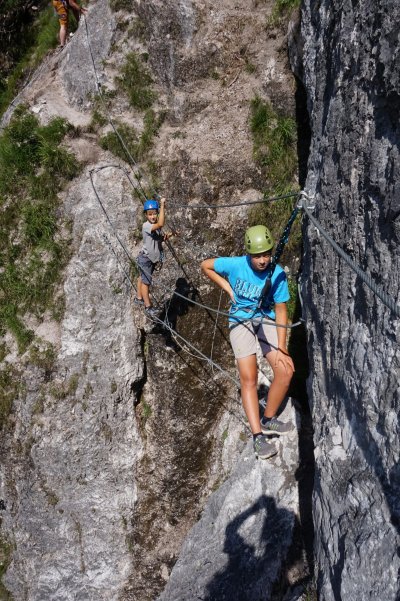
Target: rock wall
110,455
68,468
351,74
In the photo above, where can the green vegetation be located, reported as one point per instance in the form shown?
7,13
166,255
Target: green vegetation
43,356
274,144
121,5
138,146
146,410
61,390
274,138
136,81
291,305
282,12
33,169
10,387
5,560
40,38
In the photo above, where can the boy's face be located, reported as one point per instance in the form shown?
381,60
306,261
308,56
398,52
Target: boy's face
260,261
152,215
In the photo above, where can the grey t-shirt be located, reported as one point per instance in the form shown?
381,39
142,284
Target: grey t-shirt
152,242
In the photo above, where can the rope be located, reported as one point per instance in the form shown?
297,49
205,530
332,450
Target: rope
215,325
174,333
130,158
277,255
366,278
171,290
237,204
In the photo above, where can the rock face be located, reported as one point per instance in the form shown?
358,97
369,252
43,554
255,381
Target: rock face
236,550
68,469
109,456
351,74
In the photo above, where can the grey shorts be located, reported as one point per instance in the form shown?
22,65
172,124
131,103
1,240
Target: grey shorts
244,338
146,268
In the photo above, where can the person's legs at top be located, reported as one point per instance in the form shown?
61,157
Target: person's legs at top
62,14
63,32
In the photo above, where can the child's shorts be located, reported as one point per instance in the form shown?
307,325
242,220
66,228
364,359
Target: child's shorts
244,338
146,268
61,10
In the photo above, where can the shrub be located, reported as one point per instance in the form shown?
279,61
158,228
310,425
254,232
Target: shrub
275,150
33,169
136,80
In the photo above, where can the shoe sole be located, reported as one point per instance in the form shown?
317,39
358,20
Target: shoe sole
271,454
265,430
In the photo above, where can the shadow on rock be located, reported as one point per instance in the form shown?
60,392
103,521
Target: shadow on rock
254,566
176,306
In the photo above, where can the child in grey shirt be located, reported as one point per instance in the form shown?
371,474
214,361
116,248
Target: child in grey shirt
151,253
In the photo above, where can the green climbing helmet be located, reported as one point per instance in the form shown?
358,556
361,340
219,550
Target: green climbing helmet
258,239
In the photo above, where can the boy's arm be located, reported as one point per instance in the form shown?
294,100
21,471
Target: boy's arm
161,217
207,267
281,318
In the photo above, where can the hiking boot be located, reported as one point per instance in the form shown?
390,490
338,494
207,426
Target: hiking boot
275,426
138,301
151,311
264,448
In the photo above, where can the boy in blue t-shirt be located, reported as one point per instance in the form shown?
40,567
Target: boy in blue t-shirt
243,278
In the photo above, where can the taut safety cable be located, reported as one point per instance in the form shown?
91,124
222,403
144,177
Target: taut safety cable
171,290
235,204
366,278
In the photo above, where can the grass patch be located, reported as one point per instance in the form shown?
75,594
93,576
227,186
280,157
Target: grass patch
43,355
274,145
282,12
117,5
275,150
291,304
9,389
61,390
137,145
136,81
33,169
146,409
5,560
41,38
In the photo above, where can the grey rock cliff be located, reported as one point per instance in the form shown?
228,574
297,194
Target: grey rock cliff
68,470
351,74
109,460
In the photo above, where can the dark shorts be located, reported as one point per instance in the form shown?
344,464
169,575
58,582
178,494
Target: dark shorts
146,268
244,337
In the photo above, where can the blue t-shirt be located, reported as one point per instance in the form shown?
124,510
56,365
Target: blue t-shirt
248,284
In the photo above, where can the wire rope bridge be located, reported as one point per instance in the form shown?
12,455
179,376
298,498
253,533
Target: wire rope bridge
303,203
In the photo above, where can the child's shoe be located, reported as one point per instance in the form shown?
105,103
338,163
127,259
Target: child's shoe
264,448
151,311
275,426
